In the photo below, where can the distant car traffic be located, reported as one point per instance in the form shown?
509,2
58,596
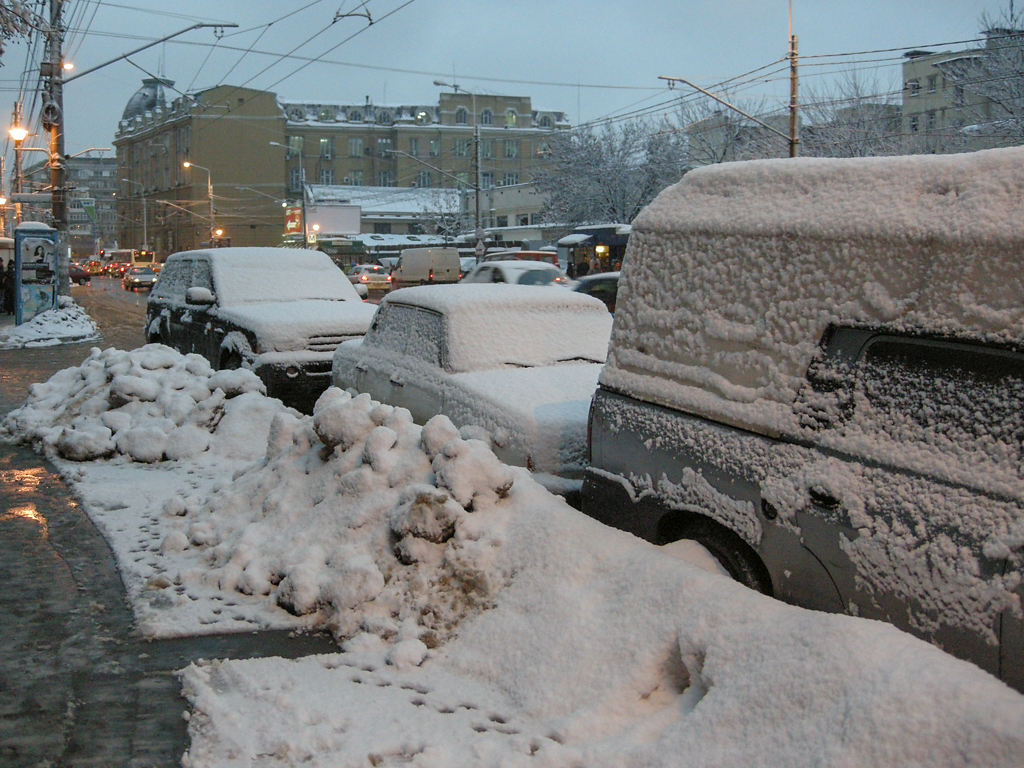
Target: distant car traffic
279,312
603,285
516,272
116,268
521,364
373,276
138,279
78,275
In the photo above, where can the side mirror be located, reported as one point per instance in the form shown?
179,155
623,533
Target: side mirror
199,295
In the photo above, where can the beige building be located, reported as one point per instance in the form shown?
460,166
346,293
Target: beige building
945,106
252,153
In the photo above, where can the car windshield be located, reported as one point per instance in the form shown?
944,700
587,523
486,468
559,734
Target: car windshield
143,271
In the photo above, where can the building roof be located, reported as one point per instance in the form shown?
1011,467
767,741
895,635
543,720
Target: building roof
378,200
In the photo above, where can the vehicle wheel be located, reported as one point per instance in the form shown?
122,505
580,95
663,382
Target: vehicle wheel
734,554
231,360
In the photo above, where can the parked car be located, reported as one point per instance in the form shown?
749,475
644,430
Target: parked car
603,285
520,364
817,372
426,266
516,272
373,276
278,311
551,257
139,279
78,275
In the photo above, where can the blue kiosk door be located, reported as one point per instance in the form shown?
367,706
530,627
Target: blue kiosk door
35,270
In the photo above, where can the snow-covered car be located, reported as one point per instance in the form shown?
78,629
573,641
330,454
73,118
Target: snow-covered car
516,272
278,311
519,364
817,372
138,279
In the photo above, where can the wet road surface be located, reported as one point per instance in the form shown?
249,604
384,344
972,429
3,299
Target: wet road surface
77,687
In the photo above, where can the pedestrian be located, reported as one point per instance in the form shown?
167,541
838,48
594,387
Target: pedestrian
9,287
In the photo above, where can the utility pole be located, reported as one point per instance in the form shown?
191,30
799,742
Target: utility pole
794,122
52,71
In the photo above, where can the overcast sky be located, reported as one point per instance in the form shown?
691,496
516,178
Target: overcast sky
589,58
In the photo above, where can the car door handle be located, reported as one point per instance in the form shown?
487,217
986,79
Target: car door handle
823,498
397,380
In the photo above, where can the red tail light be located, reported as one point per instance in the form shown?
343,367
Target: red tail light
364,278
430,276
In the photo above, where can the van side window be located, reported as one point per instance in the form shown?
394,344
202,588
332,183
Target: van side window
408,331
958,398
201,277
173,281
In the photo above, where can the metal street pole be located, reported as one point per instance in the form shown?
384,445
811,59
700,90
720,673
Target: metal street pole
478,231
302,184
142,202
209,195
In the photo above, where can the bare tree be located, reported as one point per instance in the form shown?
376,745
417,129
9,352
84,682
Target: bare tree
989,81
852,118
16,20
443,215
714,133
609,173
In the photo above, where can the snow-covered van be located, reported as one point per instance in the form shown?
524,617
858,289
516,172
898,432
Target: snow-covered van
816,371
278,311
426,266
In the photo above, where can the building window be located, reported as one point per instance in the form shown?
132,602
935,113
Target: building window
510,179
326,147
958,95
914,86
385,179
435,147
326,175
522,220
355,147
414,147
384,118
294,179
382,228
461,116
487,149
383,147
933,81
486,180
355,178
461,147
913,124
543,149
511,149
545,122
294,146
501,221
424,180
463,178
511,119
931,120
355,117
486,117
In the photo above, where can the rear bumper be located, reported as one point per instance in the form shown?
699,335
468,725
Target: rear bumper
297,383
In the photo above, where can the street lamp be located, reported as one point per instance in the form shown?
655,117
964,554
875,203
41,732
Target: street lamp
209,195
142,201
18,133
476,163
302,183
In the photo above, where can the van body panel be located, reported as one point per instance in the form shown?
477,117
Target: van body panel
426,266
826,359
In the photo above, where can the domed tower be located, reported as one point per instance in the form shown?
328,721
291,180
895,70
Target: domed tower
147,98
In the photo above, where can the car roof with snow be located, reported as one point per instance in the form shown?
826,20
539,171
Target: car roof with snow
489,325
748,263
245,275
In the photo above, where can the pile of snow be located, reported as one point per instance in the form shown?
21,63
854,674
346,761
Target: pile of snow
482,621
67,323
146,405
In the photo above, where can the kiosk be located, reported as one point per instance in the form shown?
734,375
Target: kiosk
35,270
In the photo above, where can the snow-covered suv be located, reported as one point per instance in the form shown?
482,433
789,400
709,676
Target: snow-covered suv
817,371
279,311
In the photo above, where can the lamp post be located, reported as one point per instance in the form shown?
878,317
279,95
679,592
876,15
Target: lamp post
142,201
476,164
209,195
18,133
302,183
